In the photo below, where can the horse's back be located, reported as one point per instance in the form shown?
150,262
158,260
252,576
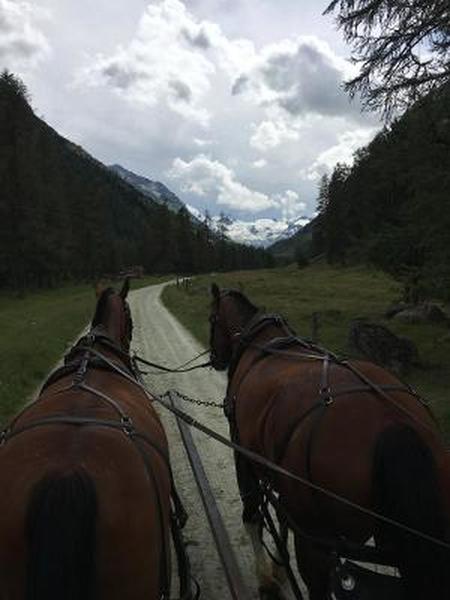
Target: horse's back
324,427
130,475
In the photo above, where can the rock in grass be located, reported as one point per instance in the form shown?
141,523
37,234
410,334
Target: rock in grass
380,345
427,312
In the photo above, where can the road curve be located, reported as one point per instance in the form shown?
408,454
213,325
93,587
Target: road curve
159,337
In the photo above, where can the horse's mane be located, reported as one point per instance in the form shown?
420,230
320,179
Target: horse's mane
247,305
101,306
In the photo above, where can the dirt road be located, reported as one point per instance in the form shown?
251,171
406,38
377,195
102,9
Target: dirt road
159,337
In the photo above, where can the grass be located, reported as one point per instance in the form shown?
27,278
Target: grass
35,331
338,295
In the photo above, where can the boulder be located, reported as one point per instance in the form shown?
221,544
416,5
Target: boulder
395,309
380,345
427,312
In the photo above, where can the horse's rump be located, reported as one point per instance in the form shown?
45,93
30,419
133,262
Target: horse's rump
129,478
283,413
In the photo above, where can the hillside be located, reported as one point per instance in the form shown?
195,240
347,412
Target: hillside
302,239
392,207
154,190
64,216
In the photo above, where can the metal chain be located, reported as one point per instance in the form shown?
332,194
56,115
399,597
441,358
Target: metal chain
186,398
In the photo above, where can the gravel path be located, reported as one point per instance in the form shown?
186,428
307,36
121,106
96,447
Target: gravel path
159,337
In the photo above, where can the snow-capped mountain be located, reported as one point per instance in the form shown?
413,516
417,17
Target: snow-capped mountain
261,232
154,190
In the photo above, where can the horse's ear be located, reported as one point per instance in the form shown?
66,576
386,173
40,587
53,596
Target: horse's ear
125,288
99,288
215,291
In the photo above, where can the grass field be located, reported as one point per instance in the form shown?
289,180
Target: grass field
35,331
338,295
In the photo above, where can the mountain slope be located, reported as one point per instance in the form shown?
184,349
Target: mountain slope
156,191
302,240
65,216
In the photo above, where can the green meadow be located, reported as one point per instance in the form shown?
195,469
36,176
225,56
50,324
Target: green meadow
35,331
338,295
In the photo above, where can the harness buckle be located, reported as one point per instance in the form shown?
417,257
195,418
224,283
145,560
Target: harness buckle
3,436
127,425
326,395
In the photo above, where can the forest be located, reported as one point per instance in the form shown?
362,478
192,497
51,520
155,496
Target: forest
65,217
391,208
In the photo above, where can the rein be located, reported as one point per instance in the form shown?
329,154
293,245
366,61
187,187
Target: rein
253,456
180,369
136,358
260,460
128,429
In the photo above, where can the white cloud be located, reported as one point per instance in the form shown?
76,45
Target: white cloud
173,58
22,44
270,134
201,143
159,64
259,164
290,205
206,177
156,82
341,152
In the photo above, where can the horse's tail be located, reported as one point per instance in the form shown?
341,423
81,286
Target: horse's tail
60,530
406,489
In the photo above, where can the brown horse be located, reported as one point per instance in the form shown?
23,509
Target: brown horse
85,479
349,427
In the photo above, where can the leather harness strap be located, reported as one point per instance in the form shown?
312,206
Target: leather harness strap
306,351
77,362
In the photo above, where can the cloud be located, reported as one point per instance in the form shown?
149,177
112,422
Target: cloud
270,134
181,90
201,142
264,111
341,152
301,76
260,163
290,205
206,177
161,64
199,39
22,44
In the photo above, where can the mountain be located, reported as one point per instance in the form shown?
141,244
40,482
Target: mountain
260,233
64,216
156,191
263,232
302,239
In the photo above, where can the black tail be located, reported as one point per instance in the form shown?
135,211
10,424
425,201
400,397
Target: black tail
406,489
60,529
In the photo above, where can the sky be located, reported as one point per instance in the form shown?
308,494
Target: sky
236,105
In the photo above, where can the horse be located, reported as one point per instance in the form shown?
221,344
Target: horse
85,478
347,427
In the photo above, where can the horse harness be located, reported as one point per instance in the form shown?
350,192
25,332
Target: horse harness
82,357
280,346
